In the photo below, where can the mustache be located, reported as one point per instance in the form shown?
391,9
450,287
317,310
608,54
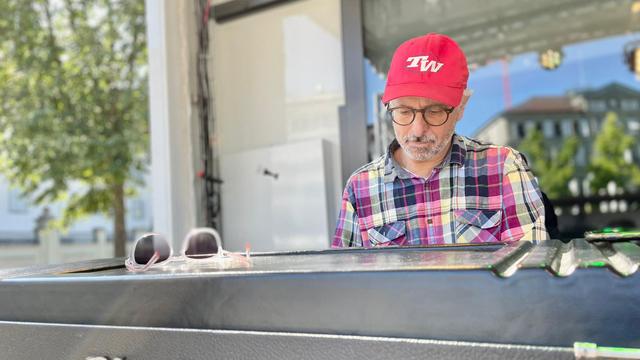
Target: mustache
422,139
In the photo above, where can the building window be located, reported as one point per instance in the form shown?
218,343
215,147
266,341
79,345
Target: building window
548,129
584,128
17,203
530,126
581,156
557,129
598,106
629,105
567,127
518,131
633,125
613,103
628,156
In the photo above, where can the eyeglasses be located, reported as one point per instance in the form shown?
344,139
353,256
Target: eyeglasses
434,115
200,244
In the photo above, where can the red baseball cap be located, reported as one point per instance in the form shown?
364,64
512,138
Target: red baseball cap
431,66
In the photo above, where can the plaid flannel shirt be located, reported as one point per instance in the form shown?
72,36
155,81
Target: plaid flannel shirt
479,193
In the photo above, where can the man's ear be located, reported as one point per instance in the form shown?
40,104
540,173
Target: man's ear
465,98
463,103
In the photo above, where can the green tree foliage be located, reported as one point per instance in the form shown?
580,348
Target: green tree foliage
607,162
74,102
553,174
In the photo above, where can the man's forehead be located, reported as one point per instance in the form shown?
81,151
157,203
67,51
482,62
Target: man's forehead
414,101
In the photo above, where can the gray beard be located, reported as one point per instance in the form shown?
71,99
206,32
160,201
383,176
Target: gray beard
428,153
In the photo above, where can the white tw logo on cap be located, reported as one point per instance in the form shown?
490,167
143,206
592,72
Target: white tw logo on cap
425,65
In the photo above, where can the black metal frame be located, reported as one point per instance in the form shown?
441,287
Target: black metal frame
231,10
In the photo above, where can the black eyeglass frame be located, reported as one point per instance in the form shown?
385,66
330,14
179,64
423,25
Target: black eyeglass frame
447,110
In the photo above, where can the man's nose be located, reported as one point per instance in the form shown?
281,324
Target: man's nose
419,124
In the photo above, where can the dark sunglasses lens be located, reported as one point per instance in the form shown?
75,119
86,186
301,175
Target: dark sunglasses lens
201,245
148,245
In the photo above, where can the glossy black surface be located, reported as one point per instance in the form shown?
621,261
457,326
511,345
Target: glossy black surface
550,294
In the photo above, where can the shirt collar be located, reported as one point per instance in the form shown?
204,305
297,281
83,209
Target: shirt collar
392,169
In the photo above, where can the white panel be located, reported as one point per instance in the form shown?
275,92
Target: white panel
299,199
246,201
312,68
283,211
277,77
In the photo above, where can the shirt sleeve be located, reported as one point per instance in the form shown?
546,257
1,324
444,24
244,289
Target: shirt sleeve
523,209
347,229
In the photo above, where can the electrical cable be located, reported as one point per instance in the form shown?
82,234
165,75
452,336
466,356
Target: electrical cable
206,117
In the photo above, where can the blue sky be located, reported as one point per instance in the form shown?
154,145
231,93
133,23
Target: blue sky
586,65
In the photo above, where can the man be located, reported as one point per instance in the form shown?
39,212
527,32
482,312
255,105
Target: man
433,186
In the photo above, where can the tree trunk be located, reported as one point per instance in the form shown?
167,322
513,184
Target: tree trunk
119,228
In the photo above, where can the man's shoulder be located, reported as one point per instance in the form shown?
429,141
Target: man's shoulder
477,145
489,152
375,168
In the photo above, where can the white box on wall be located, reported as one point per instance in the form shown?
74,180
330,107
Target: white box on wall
275,198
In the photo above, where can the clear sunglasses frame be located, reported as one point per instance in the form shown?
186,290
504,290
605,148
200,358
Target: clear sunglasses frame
220,255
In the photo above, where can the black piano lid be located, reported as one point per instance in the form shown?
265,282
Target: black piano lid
560,259
550,294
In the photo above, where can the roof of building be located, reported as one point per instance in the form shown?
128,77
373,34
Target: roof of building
570,103
547,104
574,102
613,89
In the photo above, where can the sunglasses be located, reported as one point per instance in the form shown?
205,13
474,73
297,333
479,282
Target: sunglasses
200,244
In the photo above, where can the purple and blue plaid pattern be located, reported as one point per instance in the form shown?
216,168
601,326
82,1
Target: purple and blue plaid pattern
480,193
